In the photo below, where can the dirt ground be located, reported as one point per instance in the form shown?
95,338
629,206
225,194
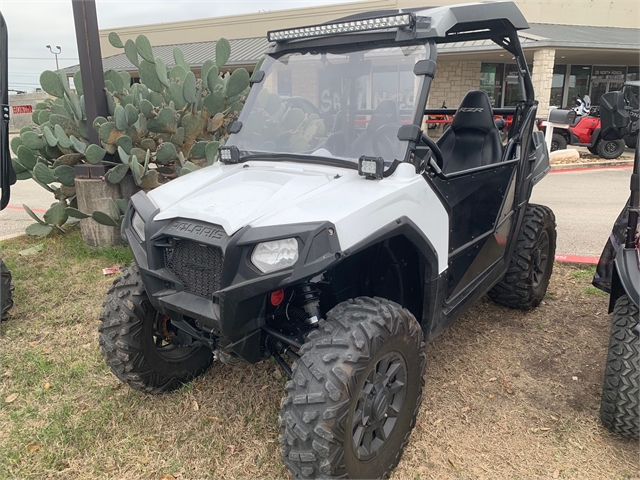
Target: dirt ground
517,394
509,394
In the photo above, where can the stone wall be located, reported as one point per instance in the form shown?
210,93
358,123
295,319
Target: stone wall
19,120
542,77
452,81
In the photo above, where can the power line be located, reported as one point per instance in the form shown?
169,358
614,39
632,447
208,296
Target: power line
41,58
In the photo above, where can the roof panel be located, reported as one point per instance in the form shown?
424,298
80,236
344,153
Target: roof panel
247,51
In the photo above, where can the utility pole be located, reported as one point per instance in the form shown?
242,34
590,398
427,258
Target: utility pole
87,36
56,54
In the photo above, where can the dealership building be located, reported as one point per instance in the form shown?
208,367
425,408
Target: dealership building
574,48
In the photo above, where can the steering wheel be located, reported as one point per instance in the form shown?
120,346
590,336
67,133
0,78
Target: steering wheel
385,141
436,153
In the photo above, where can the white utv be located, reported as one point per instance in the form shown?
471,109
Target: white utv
336,237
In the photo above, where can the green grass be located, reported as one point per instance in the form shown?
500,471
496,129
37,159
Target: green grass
595,291
583,273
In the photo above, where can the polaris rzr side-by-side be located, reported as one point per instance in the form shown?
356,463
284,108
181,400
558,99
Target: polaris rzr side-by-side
336,237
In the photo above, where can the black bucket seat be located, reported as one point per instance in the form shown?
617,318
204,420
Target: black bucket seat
473,139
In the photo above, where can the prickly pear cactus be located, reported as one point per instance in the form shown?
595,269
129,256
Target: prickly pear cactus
168,125
276,122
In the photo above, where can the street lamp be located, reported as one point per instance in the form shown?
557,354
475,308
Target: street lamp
55,53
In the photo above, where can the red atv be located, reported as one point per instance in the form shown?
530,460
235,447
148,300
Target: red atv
583,131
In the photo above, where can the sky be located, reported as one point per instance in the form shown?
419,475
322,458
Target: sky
34,24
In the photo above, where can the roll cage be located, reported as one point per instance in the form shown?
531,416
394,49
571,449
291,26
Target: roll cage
429,26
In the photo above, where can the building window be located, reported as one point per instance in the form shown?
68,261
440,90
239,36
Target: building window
606,79
578,82
511,86
491,77
557,85
633,74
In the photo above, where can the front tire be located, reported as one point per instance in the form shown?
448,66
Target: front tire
355,392
610,149
558,142
140,346
620,407
6,291
527,278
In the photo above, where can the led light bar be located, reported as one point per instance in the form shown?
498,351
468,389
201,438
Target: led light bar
378,23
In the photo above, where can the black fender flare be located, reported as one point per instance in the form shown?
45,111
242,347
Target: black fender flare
626,277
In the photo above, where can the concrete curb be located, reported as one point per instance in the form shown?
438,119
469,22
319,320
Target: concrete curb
12,236
590,165
577,259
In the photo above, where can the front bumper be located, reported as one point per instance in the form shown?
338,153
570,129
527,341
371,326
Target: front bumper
235,310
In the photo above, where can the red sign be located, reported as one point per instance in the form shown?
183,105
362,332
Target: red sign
22,109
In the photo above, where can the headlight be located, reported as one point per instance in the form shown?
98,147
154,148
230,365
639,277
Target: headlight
276,255
138,225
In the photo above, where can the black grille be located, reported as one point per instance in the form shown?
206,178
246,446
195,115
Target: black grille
199,267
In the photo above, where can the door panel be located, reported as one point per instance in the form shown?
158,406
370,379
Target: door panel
477,202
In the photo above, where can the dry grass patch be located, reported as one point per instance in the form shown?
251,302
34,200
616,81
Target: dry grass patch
509,394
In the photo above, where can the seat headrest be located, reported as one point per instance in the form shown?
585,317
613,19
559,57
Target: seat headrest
385,113
474,112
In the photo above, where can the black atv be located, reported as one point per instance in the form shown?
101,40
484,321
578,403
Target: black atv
618,273
7,176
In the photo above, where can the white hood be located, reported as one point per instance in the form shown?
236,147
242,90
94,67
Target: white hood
235,196
263,194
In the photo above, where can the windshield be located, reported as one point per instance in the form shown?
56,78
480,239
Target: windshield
332,105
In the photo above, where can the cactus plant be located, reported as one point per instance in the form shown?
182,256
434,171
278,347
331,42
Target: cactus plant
169,125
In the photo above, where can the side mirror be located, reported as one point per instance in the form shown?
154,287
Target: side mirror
7,175
613,116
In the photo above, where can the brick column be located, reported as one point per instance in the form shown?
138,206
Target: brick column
542,76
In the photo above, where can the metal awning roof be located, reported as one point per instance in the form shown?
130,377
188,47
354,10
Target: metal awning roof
247,51
244,52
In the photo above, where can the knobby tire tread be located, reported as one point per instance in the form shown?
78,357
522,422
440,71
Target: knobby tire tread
331,360
620,402
121,335
516,289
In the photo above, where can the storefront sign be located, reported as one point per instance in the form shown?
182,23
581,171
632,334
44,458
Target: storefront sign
608,70
17,109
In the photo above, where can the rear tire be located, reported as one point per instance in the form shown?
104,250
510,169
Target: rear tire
355,392
137,342
610,149
631,140
527,278
6,291
558,142
619,407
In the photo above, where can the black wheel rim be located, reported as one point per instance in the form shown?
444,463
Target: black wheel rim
540,258
379,404
165,342
611,147
554,146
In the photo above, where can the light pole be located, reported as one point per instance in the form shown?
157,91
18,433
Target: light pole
55,53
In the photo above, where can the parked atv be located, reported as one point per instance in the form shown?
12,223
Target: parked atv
338,246
618,274
7,175
582,131
631,95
